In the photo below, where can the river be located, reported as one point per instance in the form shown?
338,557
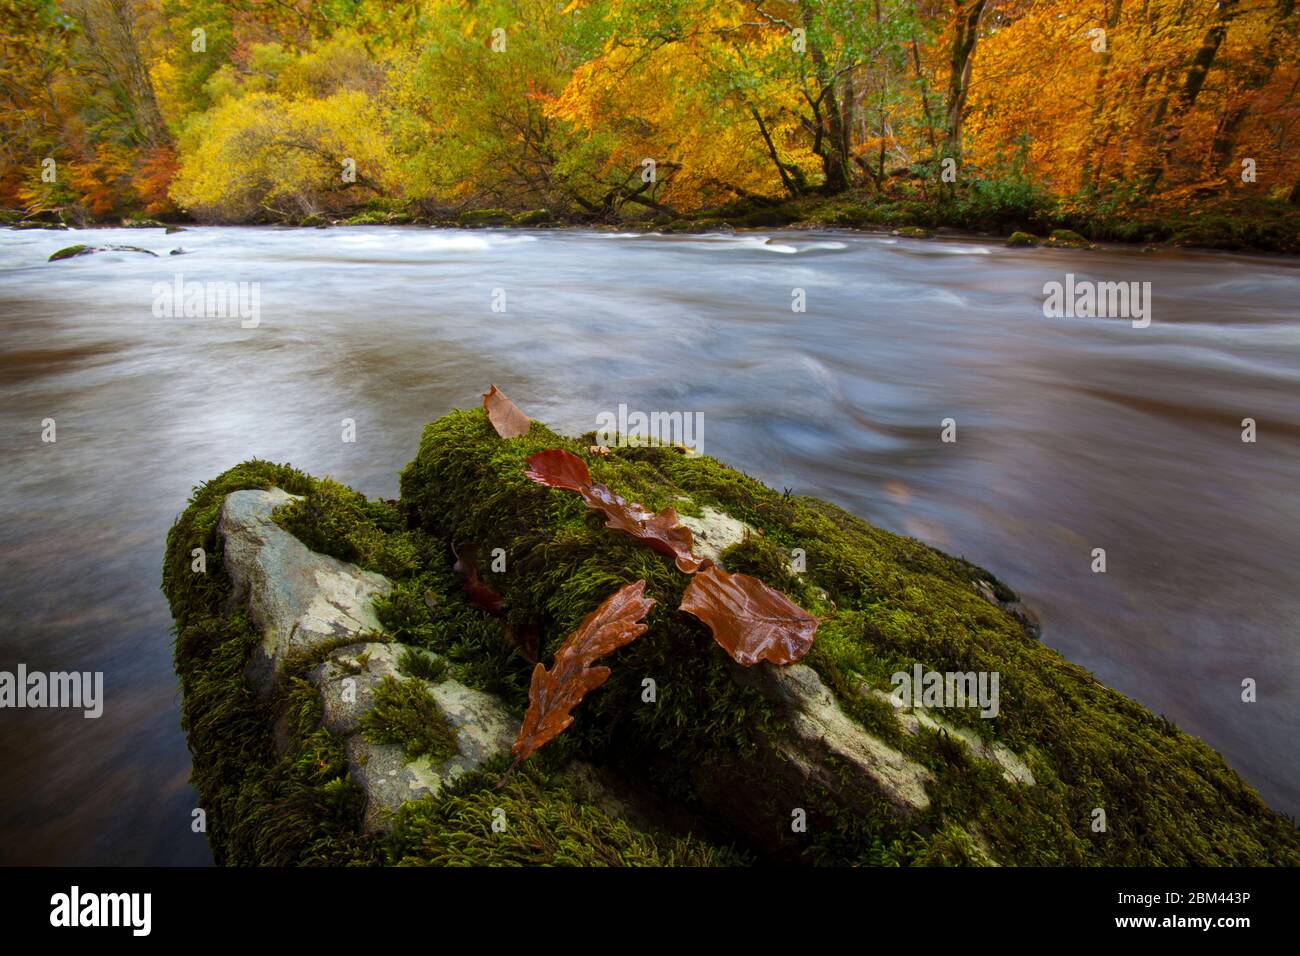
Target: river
1071,434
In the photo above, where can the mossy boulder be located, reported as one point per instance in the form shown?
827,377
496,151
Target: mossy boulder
72,252
534,217
1022,239
1067,239
736,754
912,232
485,217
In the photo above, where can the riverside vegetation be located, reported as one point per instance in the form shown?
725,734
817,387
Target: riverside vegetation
690,767
1156,122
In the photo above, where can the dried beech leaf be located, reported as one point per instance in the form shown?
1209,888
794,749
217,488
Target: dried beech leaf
601,450
554,693
504,415
751,621
557,468
478,592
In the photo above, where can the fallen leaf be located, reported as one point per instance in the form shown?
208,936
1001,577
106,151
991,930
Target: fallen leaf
749,620
553,694
504,415
478,592
601,450
557,468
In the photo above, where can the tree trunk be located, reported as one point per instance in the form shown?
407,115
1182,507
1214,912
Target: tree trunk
1167,124
966,20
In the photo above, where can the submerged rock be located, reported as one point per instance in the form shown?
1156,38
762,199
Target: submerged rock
71,252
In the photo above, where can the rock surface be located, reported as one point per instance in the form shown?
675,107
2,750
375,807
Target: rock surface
823,754
714,531
347,681
297,598
821,739
912,719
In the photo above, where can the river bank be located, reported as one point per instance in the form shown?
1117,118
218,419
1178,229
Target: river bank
1253,225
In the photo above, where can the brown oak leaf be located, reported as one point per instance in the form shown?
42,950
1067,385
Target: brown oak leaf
553,694
749,620
504,415
557,468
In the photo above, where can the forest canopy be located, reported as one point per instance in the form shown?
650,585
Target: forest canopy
284,110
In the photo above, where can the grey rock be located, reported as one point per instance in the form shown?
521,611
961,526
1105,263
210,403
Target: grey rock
297,598
821,739
347,681
714,531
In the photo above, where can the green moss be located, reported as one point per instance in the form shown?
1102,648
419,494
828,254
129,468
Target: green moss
534,217
1022,239
485,217
405,713
538,822
335,520
887,602
69,252
1067,238
416,663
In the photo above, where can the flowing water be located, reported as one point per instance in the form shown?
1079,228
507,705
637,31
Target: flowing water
1072,434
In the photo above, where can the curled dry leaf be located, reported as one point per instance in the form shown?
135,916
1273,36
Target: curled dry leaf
601,450
553,694
504,415
751,621
478,592
557,468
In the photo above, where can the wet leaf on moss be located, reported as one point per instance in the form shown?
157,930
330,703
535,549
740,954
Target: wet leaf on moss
504,415
557,468
554,693
750,620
